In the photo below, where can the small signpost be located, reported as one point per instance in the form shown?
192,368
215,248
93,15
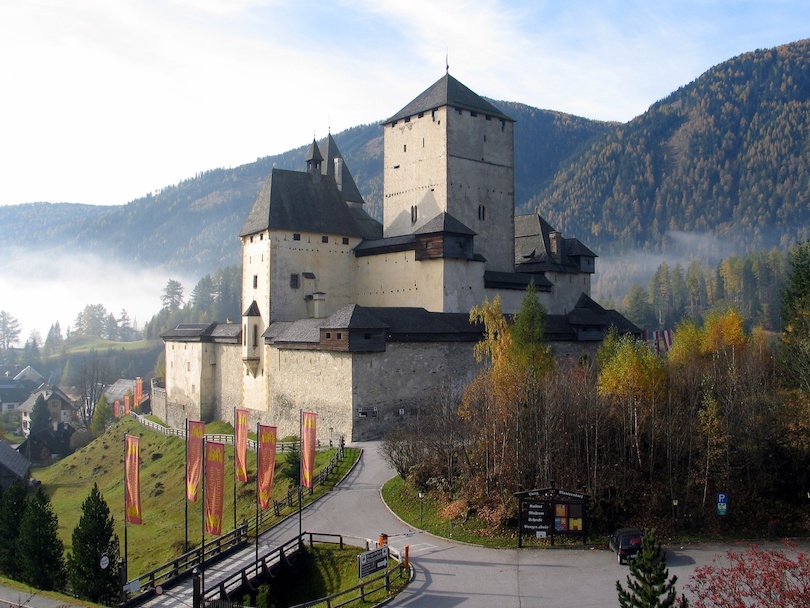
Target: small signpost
722,503
372,561
547,512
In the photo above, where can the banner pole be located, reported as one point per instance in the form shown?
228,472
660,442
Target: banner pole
185,495
202,555
300,467
126,546
235,423
258,452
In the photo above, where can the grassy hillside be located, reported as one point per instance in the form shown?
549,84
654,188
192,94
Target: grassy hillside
162,473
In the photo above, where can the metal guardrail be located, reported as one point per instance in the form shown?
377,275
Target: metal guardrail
285,553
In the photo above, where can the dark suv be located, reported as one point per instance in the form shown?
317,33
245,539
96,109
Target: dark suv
626,543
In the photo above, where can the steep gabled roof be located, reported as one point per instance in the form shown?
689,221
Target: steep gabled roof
444,222
13,461
292,200
347,184
447,91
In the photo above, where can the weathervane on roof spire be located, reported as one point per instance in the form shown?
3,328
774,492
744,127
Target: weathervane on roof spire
447,62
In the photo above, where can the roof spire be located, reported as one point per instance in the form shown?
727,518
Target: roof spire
447,61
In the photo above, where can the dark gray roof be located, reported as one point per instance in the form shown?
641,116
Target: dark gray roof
313,152
292,200
354,317
447,91
252,311
188,331
348,186
303,330
444,222
13,461
371,228
515,280
393,243
588,312
226,331
533,247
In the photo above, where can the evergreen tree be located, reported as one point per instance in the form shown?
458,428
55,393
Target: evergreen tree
42,563
102,416
40,416
649,582
796,318
12,509
92,576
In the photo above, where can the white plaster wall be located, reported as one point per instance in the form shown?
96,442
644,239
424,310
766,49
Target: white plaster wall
256,261
480,173
228,371
332,263
316,381
183,362
414,171
397,279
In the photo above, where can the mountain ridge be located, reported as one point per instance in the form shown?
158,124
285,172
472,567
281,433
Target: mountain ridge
727,154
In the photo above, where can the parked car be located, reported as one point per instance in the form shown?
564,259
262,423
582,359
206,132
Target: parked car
626,543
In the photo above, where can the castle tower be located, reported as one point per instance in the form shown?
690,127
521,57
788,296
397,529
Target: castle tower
451,151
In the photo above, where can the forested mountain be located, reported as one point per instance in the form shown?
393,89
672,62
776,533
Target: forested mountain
726,155
193,226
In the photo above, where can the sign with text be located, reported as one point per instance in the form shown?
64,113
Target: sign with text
551,511
372,561
722,503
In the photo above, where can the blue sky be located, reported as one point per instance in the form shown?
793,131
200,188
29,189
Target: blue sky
104,101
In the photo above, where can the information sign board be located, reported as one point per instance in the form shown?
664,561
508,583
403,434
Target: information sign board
372,561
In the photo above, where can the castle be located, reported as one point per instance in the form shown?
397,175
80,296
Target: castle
366,323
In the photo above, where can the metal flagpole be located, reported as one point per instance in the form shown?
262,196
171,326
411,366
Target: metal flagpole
300,467
235,423
185,492
202,555
258,454
126,546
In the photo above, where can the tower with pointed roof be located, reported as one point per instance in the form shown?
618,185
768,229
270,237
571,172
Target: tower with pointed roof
451,151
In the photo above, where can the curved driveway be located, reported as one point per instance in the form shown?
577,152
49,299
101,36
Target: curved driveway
450,574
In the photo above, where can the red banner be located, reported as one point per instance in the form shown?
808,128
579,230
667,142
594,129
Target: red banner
214,486
132,481
194,457
117,409
308,448
126,405
267,463
241,438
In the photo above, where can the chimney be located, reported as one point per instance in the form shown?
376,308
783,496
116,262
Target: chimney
556,242
319,304
339,173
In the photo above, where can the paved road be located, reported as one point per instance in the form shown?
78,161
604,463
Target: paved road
449,574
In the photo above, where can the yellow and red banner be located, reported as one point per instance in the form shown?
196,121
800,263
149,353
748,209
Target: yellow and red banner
132,481
214,486
267,463
126,405
117,409
195,432
308,440
241,431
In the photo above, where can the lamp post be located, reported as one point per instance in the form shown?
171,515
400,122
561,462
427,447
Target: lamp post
421,511
675,511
